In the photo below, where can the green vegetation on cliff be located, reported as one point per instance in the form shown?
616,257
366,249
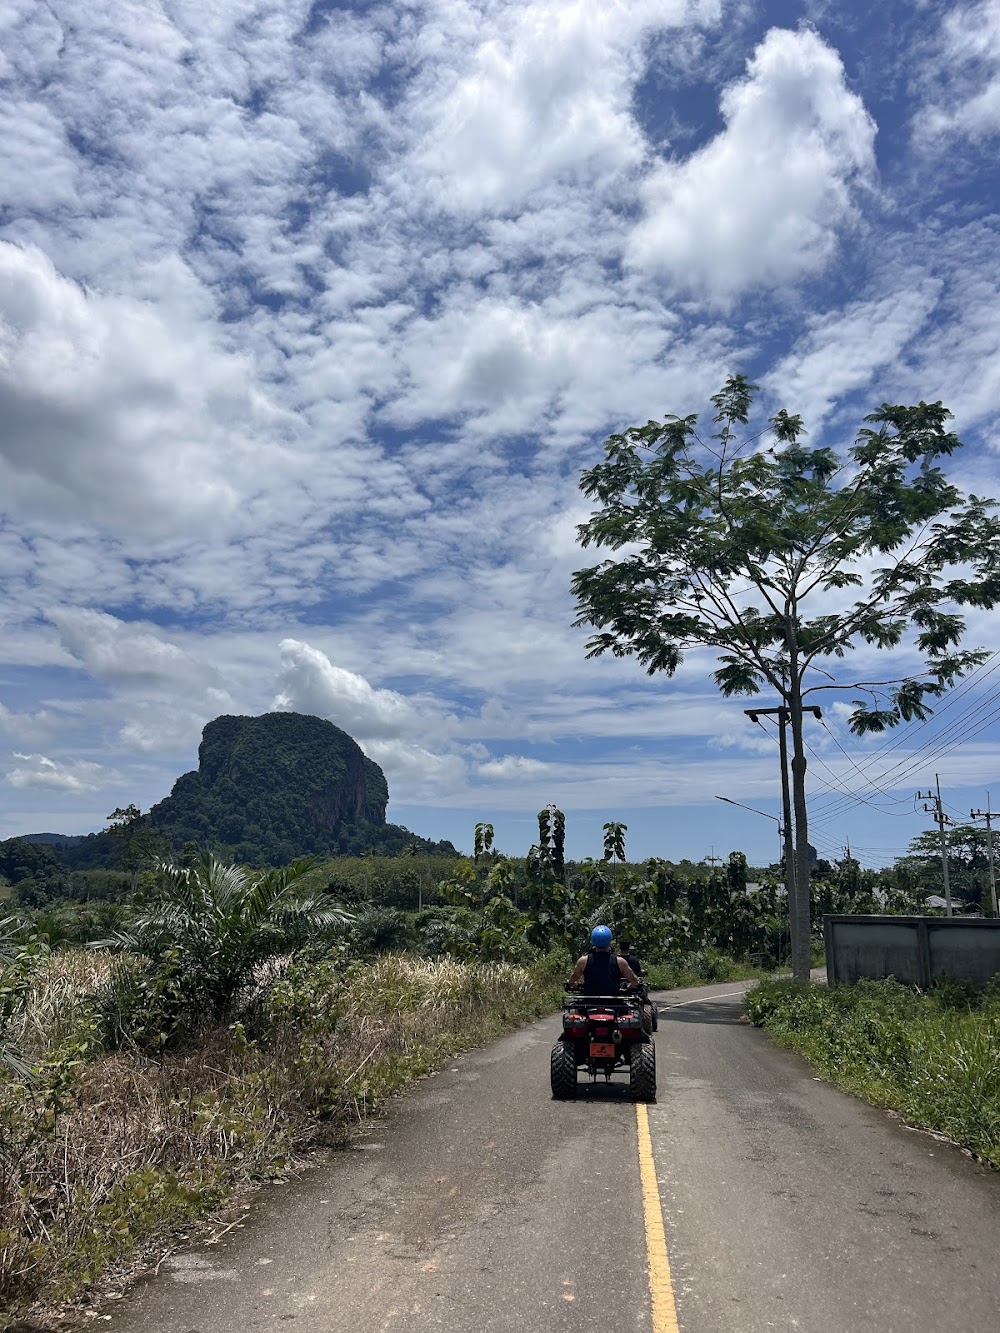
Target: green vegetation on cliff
271,788
266,791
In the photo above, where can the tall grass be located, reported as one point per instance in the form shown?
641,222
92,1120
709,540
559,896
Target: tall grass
104,1153
935,1058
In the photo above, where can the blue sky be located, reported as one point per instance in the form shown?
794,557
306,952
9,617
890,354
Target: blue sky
311,313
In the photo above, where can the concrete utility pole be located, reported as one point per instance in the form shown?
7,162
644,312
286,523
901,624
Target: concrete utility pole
932,805
798,894
989,814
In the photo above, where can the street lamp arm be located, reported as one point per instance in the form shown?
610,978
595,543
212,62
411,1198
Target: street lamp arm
730,801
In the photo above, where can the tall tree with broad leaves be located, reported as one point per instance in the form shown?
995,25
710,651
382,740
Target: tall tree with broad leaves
140,844
779,558
547,858
614,844
483,841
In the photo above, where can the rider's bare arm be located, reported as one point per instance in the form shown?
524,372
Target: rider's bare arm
577,973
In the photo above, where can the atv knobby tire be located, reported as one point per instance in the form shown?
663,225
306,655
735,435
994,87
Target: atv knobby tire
563,1072
648,1018
642,1073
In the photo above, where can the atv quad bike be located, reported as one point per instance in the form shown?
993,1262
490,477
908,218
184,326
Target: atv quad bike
603,1034
650,1015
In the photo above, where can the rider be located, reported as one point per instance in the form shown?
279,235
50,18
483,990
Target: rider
601,971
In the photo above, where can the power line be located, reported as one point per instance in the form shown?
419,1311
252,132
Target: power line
960,731
822,841
975,678
857,767
835,787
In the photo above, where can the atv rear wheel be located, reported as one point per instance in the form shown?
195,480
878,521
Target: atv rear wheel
642,1073
562,1072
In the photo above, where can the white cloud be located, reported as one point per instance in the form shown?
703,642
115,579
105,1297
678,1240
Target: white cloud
113,650
529,96
114,415
26,728
967,62
842,352
411,742
36,770
554,368
41,168
310,683
515,767
416,774
957,359
764,202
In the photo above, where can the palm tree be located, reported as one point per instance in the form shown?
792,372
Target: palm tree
218,923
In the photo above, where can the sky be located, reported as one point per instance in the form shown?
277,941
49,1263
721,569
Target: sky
312,311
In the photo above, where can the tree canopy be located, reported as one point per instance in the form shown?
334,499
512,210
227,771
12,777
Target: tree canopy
783,558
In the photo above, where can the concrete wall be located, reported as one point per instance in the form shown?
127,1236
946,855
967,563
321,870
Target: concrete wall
916,950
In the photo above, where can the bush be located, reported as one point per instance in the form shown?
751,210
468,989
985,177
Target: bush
699,968
383,930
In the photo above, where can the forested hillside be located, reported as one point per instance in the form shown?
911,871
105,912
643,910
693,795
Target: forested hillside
270,788
266,790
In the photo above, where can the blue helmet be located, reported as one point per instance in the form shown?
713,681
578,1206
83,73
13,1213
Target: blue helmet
600,937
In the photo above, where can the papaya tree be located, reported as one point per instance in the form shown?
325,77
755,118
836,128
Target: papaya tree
780,559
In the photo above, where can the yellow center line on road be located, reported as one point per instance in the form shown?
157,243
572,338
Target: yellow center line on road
661,1288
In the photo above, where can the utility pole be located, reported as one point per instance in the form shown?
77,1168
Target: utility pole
932,805
798,894
988,815
712,860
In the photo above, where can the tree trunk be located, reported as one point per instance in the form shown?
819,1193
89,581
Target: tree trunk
802,945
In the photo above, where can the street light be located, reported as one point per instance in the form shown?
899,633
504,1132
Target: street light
753,810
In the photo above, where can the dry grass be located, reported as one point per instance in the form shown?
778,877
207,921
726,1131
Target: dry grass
106,1154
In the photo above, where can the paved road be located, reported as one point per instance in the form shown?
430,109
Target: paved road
480,1204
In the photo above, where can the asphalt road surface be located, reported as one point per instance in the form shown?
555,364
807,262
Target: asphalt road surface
479,1205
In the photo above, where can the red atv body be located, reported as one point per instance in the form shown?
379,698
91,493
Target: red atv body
603,1034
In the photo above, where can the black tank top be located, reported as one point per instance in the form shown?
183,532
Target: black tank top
601,976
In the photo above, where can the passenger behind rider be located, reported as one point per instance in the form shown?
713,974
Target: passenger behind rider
601,972
625,951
